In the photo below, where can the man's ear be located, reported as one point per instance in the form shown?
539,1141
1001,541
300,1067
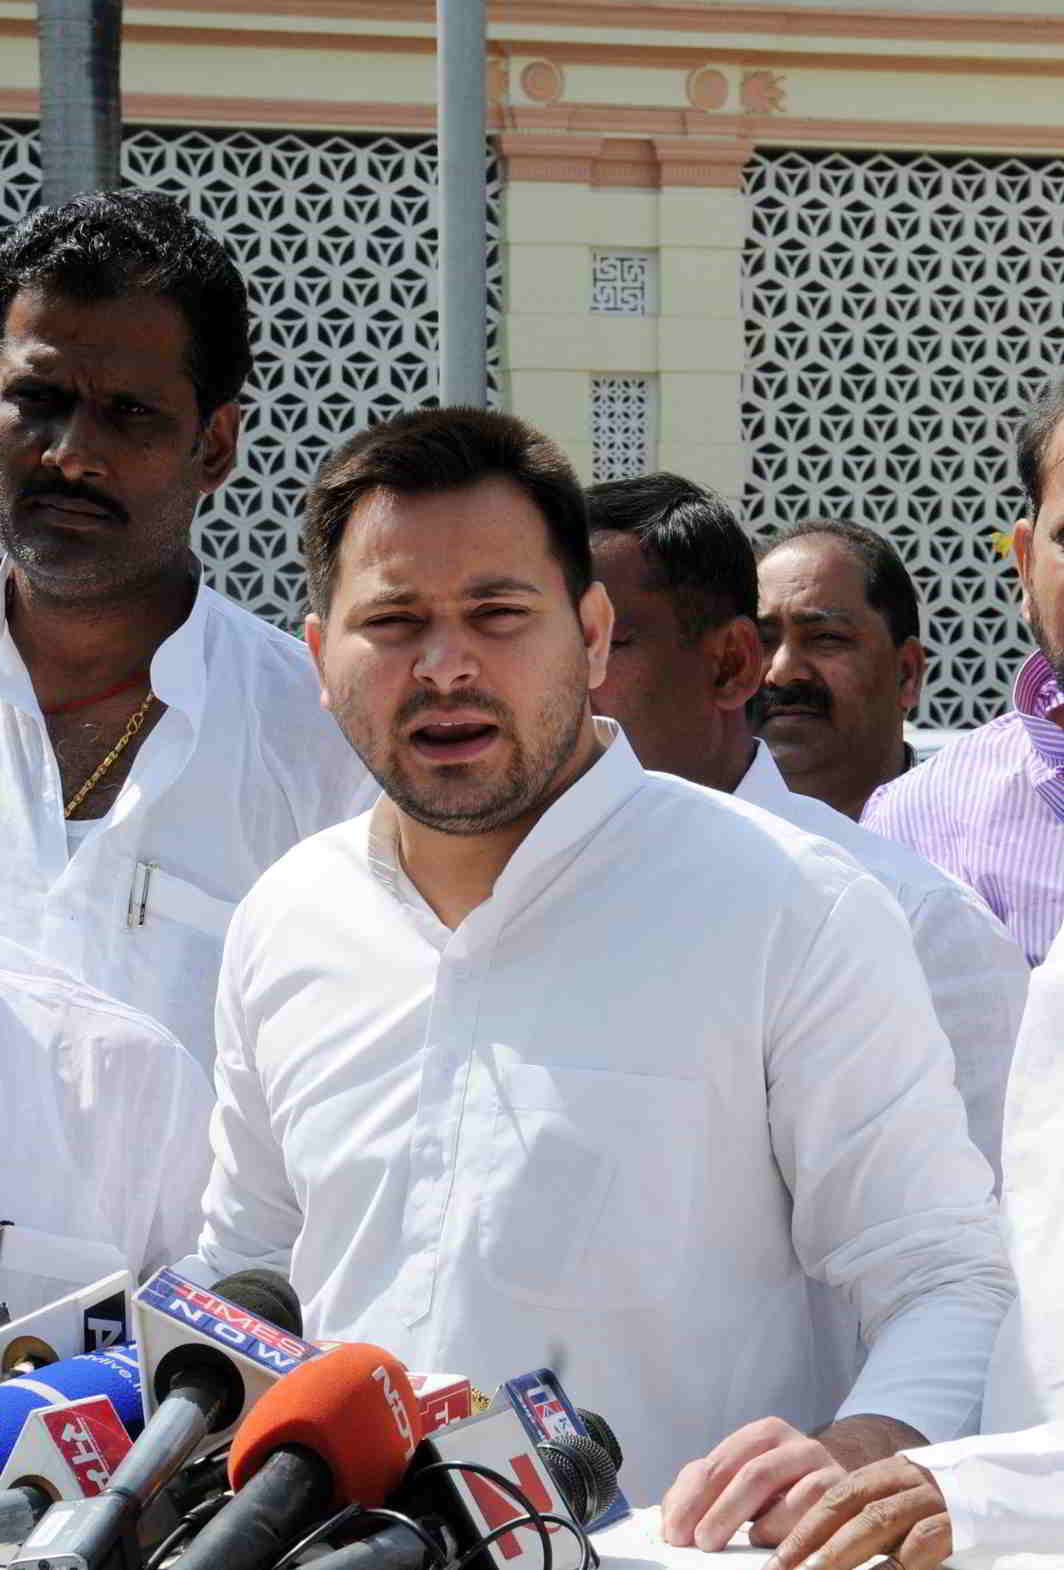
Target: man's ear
596,621
218,445
734,659
312,632
1023,550
912,664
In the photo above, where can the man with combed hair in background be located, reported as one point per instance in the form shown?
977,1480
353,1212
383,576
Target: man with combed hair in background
159,746
586,1055
990,806
685,662
840,626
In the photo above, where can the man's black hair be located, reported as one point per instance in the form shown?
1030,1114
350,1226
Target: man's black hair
113,244
437,450
888,586
1033,437
692,542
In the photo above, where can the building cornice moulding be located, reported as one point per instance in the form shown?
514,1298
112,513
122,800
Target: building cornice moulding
653,16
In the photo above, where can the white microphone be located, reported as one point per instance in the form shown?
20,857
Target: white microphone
88,1319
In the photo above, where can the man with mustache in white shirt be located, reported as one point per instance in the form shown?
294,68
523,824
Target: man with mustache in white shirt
547,1049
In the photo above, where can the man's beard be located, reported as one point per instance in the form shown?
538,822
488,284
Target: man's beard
1053,652
528,782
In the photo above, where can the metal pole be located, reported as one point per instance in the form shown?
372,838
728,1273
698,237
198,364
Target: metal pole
462,272
79,47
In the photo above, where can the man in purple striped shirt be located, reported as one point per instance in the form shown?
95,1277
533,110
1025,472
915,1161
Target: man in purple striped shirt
990,806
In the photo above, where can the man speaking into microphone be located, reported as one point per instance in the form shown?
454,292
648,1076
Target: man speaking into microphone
548,1050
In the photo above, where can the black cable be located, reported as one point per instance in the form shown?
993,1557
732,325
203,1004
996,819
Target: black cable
198,1516
352,1512
526,1520
532,1516
338,1518
509,1486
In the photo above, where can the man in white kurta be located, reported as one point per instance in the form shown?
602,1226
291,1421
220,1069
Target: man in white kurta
103,1132
613,1071
995,1498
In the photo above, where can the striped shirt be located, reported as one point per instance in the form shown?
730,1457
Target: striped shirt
990,809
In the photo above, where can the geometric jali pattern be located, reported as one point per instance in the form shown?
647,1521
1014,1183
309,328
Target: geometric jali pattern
336,238
902,311
621,427
622,283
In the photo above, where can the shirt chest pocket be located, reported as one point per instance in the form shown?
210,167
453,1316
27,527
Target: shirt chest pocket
589,1191
154,892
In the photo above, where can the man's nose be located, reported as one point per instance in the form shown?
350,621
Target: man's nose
76,445
446,658
784,664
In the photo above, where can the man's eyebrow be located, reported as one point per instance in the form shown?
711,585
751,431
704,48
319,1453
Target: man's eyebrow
476,589
496,588
811,618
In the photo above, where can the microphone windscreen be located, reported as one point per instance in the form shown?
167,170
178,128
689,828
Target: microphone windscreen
266,1294
113,1373
354,1407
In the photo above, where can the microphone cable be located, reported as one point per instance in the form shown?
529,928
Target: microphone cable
532,1517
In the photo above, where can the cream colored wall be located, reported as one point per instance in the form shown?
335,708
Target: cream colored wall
552,344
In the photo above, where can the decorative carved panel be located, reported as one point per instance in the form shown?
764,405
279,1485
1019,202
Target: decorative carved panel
902,311
622,426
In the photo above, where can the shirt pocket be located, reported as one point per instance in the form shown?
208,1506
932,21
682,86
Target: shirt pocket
589,1188
157,893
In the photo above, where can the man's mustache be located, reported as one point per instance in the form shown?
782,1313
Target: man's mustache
65,490
796,695
467,698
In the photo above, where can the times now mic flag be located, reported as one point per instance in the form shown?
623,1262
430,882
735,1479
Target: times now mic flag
70,1451
498,1440
546,1412
170,1313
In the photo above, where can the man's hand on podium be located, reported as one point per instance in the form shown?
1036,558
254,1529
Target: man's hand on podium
772,1475
891,1507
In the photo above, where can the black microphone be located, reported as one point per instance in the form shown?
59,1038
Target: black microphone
599,1429
584,1471
205,1395
338,1430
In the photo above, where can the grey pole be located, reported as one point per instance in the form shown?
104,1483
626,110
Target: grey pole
462,272
79,45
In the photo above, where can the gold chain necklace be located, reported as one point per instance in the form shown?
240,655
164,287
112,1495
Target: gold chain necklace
136,720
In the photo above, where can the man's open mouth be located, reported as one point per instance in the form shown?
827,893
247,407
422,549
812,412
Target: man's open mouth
453,740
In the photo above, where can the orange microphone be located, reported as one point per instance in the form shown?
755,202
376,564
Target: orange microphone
338,1430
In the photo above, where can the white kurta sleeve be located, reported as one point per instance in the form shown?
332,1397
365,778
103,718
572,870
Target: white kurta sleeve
1004,1492
891,1202
251,1216
978,978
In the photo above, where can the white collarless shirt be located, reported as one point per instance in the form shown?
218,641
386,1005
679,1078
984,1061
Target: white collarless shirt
103,1128
682,1057
242,765
1005,1491
976,971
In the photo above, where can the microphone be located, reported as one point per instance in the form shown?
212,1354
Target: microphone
193,1387
114,1374
580,1467
336,1431
547,1414
89,1319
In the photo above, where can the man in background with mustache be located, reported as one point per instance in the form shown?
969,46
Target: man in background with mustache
840,625
159,747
